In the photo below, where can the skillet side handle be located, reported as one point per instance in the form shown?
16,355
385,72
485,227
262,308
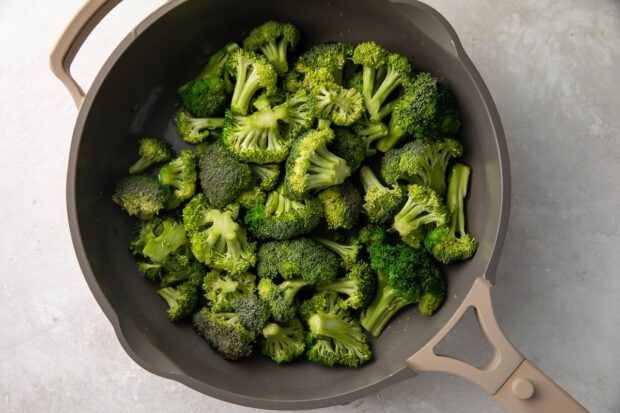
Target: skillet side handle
72,40
511,379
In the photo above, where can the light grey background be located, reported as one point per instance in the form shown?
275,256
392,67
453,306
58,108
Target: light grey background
553,69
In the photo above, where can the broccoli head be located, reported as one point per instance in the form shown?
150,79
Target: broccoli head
224,333
349,254
204,97
151,151
356,287
222,289
140,195
180,176
332,57
349,145
182,300
381,203
336,103
194,130
342,205
281,297
253,312
274,40
283,343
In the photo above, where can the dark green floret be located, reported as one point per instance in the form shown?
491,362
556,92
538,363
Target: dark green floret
140,195
349,145
283,343
253,312
356,287
224,333
151,151
381,203
274,40
182,300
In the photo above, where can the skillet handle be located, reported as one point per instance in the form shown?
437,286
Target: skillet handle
72,39
508,377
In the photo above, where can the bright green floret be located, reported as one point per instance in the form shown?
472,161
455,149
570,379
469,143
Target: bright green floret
195,130
404,276
422,161
281,297
349,254
158,238
177,267
334,337
140,195
180,175
283,343
280,217
332,57
251,72
311,167
381,203
151,151
224,333
337,104
356,287
274,40
222,289
182,300
342,206
450,242
422,211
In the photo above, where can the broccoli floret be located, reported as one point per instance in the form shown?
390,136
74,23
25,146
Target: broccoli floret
422,211
195,130
281,297
140,195
342,205
266,135
251,72
274,40
404,276
151,151
253,312
250,197
222,289
224,333
182,300
216,239
302,258
348,145
216,62
427,109
371,234
331,101
283,343
311,167
268,175
349,254
157,238
381,203
330,56
357,285
178,267
450,242
369,132
222,177
334,337
281,217
180,175
422,162
383,73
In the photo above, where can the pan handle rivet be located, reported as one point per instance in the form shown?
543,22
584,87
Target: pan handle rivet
522,388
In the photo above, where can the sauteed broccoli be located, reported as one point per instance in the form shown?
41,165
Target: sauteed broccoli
310,196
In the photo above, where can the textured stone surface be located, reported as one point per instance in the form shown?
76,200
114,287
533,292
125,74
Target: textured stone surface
553,70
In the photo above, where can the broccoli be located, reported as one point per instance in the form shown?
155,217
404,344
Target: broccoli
224,333
423,210
250,197
422,161
381,203
371,234
182,300
281,297
253,312
140,195
334,337
158,238
222,289
330,56
252,72
348,145
342,205
427,109
383,73
281,217
349,254
369,132
450,242
357,285
151,151
311,167
180,176
302,258
178,267
404,276
331,101
216,239
194,130
274,40
222,177
268,175
266,135
283,343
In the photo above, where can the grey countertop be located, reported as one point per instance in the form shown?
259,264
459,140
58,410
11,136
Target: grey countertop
552,67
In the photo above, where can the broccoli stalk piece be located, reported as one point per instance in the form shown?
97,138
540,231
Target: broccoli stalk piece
422,211
222,289
251,72
283,343
422,161
182,300
224,333
357,286
194,130
140,195
280,217
334,337
342,205
311,167
151,152
180,176
450,242
274,40
281,297
369,132
383,72
381,203
404,276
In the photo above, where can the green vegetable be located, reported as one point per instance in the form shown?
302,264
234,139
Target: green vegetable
225,333
151,152
284,343
274,40
140,195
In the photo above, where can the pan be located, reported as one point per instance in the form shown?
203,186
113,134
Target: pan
134,95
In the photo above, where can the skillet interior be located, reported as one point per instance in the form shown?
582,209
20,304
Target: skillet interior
134,96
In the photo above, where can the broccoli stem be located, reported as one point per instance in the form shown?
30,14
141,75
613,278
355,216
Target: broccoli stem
326,169
390,82
333,326
170,294
369,180
276,54
384,306
457,191
246,85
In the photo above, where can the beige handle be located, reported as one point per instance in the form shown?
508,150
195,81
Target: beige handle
72,39
508,377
